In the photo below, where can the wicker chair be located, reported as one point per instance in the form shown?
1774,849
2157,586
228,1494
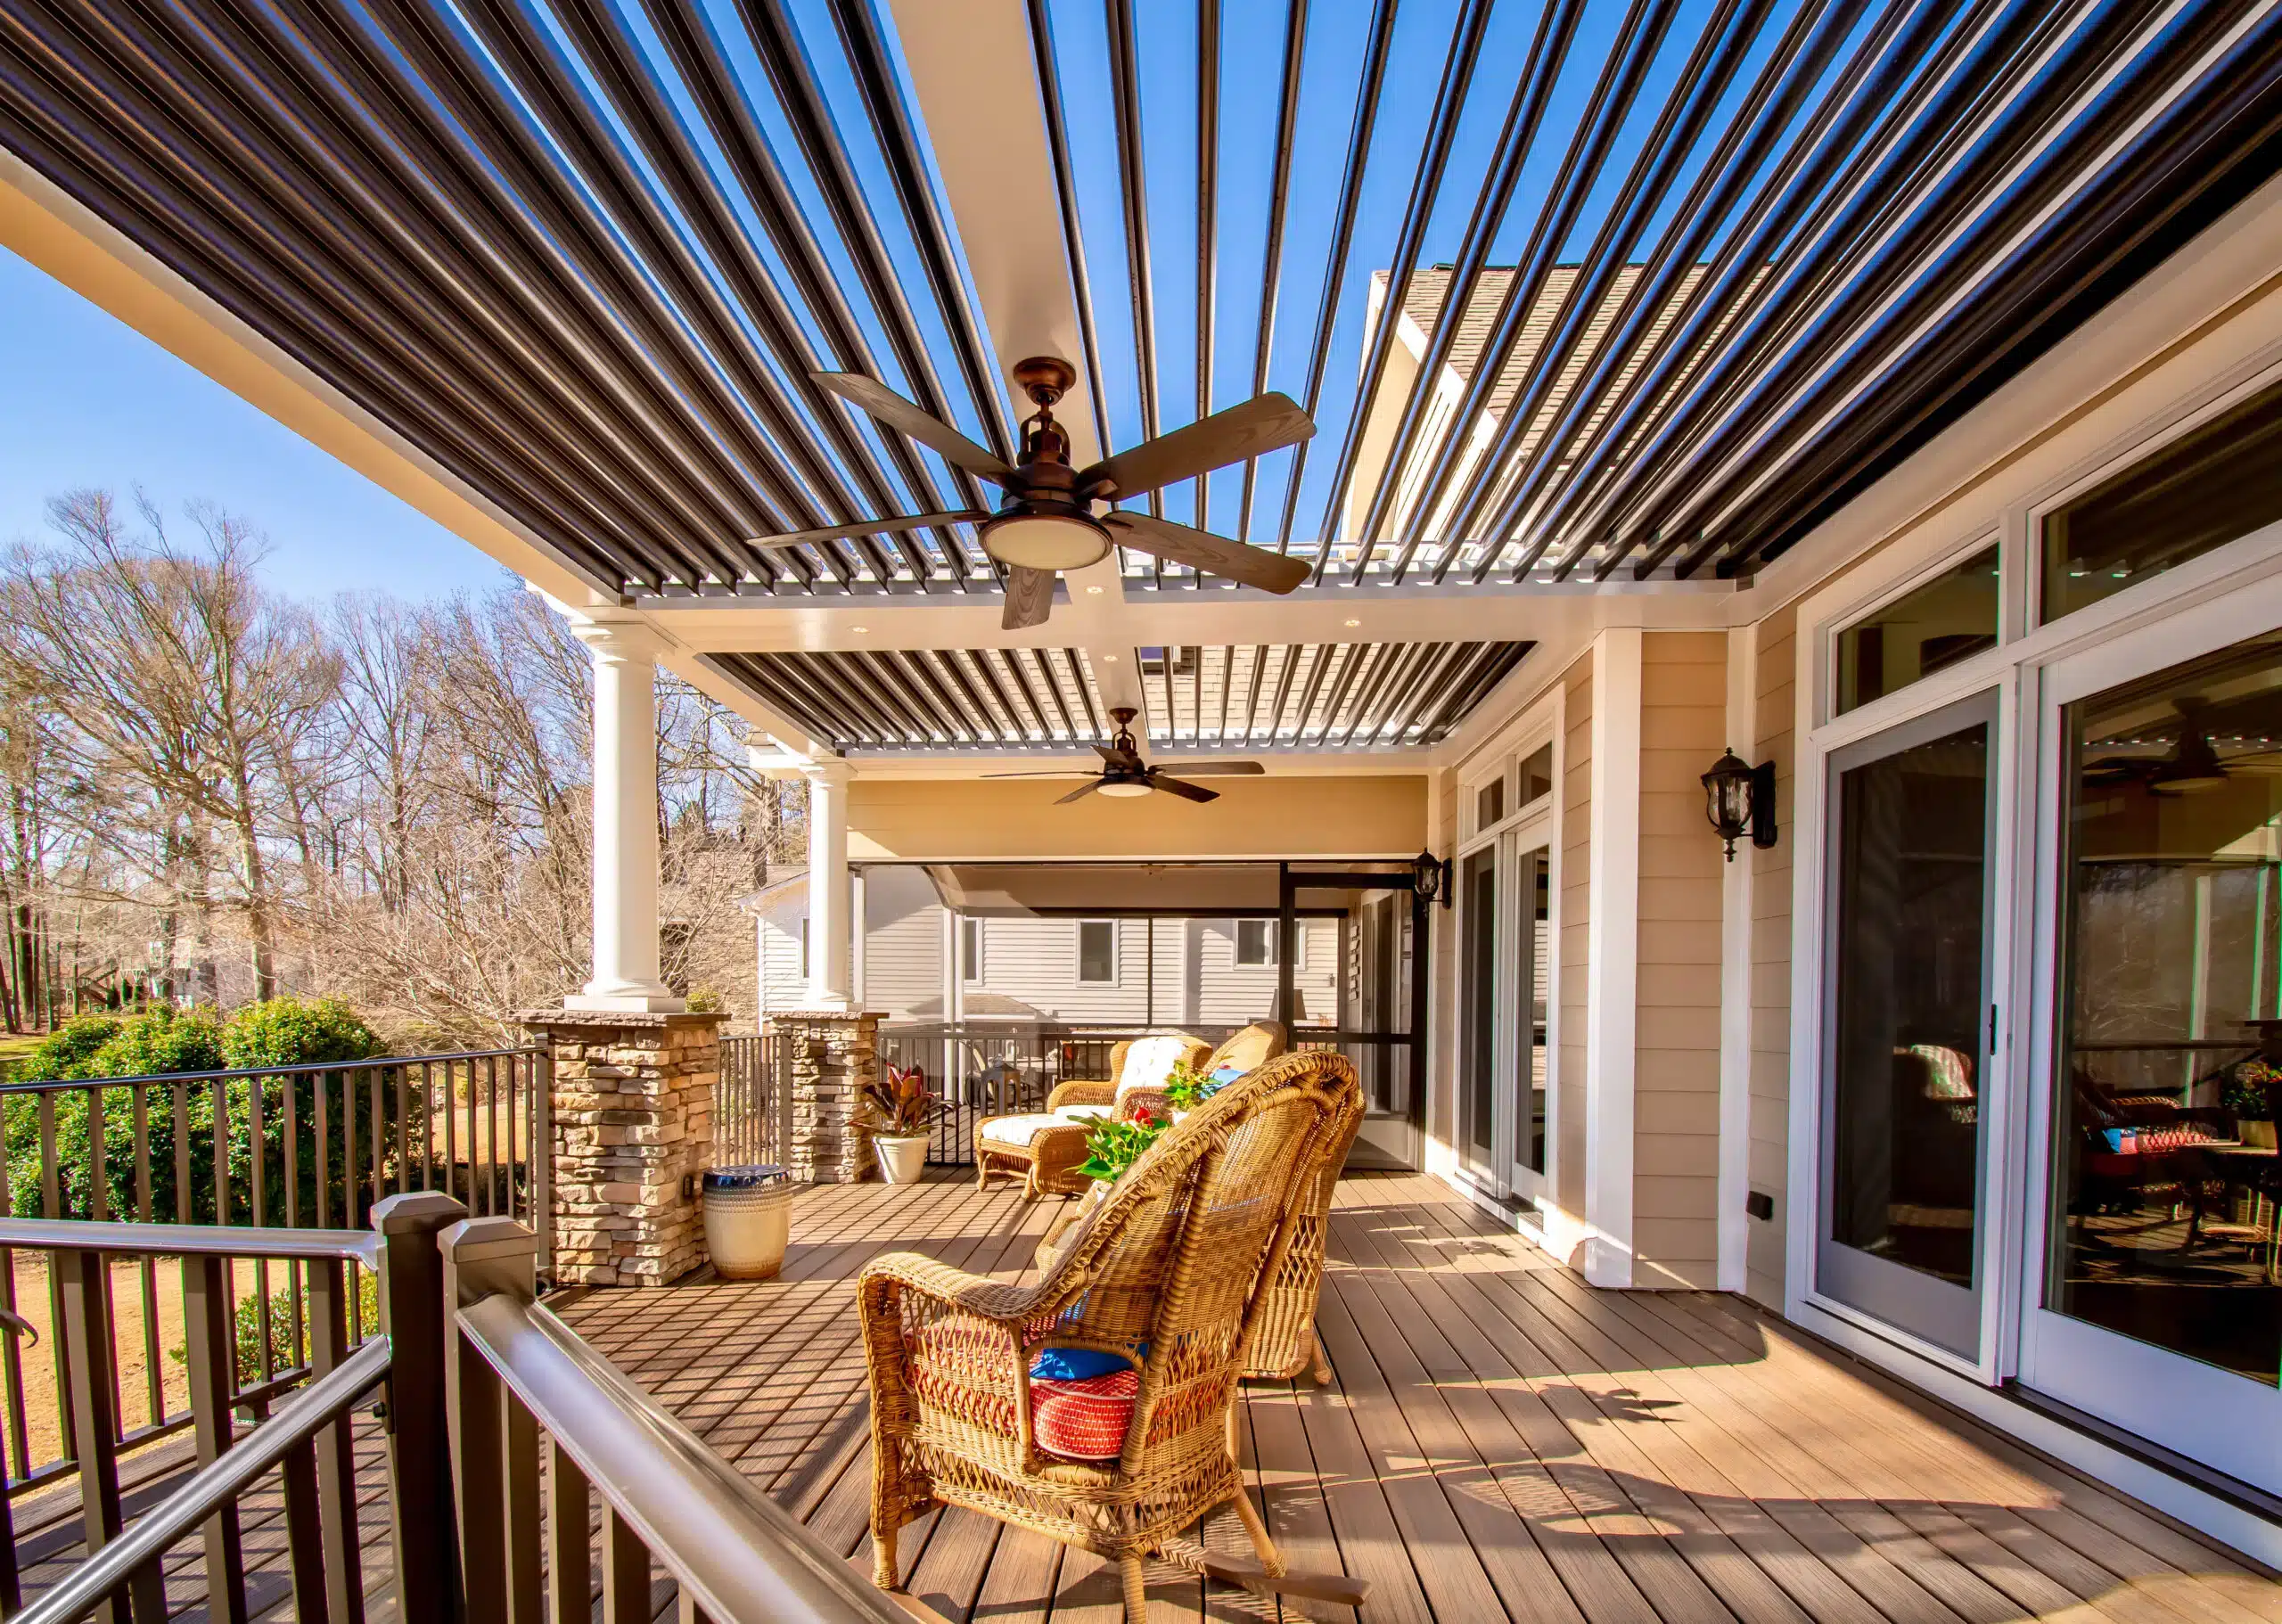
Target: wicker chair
1047,1154
1285,1343
1170,1262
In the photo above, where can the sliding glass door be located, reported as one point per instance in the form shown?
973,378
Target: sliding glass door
1505,968
1904,1154
1478,1013
2161,1310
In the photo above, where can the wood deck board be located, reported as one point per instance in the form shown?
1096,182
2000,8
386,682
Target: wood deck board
1499,1442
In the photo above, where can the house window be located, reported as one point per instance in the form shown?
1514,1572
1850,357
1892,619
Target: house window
1489,803
1256,940
971,950
1097,950
1536,774
2219,481
1950,617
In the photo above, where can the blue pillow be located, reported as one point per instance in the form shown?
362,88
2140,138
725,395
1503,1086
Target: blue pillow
1075,1364
1224,1075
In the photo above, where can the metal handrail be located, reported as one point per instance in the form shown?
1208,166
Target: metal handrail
212,1487
192,1239
737,1554
241,1073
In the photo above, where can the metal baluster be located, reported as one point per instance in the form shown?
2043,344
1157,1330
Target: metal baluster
569,1547
51,1195
452,1125
221,1153
374,1083
304,1530
92,1356
348,1151
336,1450
428,1124
321,1166
626,1572
297,1281
403,1075
11,1592
146,1267
491,1164
257,1192
207,1320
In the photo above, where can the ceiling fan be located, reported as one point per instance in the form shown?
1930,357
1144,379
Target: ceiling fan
2191,767
1122,773
1047,523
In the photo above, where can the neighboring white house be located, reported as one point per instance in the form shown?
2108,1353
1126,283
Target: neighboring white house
915,959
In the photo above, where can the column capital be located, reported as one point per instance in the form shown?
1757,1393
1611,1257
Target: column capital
620,640
832,772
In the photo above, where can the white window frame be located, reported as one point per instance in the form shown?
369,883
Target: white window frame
1523,828
1078,953
2244,576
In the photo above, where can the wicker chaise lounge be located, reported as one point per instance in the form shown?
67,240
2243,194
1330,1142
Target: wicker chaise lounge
1045,1147
1169,1275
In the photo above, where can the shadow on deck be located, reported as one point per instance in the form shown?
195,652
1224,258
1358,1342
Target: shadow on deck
1500,1442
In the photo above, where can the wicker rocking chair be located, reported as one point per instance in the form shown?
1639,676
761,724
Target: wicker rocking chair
1283,1343
1167,1272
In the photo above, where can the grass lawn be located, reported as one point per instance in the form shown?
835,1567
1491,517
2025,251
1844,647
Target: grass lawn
14,1047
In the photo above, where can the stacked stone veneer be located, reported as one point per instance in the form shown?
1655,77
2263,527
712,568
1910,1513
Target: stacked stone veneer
633,1127
830,1055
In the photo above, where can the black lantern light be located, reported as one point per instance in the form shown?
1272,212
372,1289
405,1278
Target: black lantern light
1739,800
1430,877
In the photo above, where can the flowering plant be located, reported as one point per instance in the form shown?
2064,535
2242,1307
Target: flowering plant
1187,1087
2244,1093
1114,1146
900,1099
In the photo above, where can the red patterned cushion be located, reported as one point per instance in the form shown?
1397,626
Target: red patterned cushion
1085,1419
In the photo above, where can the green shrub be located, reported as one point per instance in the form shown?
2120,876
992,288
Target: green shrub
281,1032
286,1351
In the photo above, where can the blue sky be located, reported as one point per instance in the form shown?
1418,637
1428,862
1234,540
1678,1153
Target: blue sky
87,401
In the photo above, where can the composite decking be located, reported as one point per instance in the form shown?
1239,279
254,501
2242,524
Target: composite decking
1500,1442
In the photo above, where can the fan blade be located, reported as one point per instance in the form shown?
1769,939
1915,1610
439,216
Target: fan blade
1029,597
865,527
1213,554
1186,792
930,432
1122,758
1213,769
1080,793
1263,424
1051,772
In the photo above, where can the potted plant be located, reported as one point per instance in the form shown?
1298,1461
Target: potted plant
2249,1096
902,1109
1114,1146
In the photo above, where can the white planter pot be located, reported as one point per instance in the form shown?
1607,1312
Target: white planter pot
903,1158
746,1228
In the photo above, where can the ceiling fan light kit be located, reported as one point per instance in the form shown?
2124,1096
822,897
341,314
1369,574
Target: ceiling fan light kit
1046,524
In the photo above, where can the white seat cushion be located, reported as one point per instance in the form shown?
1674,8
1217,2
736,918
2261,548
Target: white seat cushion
1149,1063
1022,1130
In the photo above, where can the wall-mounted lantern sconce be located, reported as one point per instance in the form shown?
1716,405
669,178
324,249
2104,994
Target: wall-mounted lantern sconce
1431,877
1739,800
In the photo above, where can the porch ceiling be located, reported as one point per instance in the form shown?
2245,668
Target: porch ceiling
1715,266
1316,697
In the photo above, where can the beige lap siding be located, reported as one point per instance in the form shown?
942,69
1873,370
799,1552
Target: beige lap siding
1676,1109
1770,960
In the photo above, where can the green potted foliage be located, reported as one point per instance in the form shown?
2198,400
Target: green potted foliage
1114,1146
902,1110
2249,1096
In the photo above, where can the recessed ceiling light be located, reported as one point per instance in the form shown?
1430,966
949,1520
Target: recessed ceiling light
860,630
1109,659
1350,623
1094,591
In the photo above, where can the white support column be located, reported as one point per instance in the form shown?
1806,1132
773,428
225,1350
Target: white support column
625,821
1612,970
828,889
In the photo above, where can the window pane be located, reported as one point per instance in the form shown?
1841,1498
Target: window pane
971,949
2164,1181
1948,619
1537,773
1255,941
1537,898
1478,972
2221,481
1489,803
1097,950
1907,1004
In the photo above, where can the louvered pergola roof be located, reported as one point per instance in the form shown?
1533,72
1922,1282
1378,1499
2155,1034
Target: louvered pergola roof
1719,265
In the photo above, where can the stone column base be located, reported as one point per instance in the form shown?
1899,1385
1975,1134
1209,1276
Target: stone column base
831,1054
633,1126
